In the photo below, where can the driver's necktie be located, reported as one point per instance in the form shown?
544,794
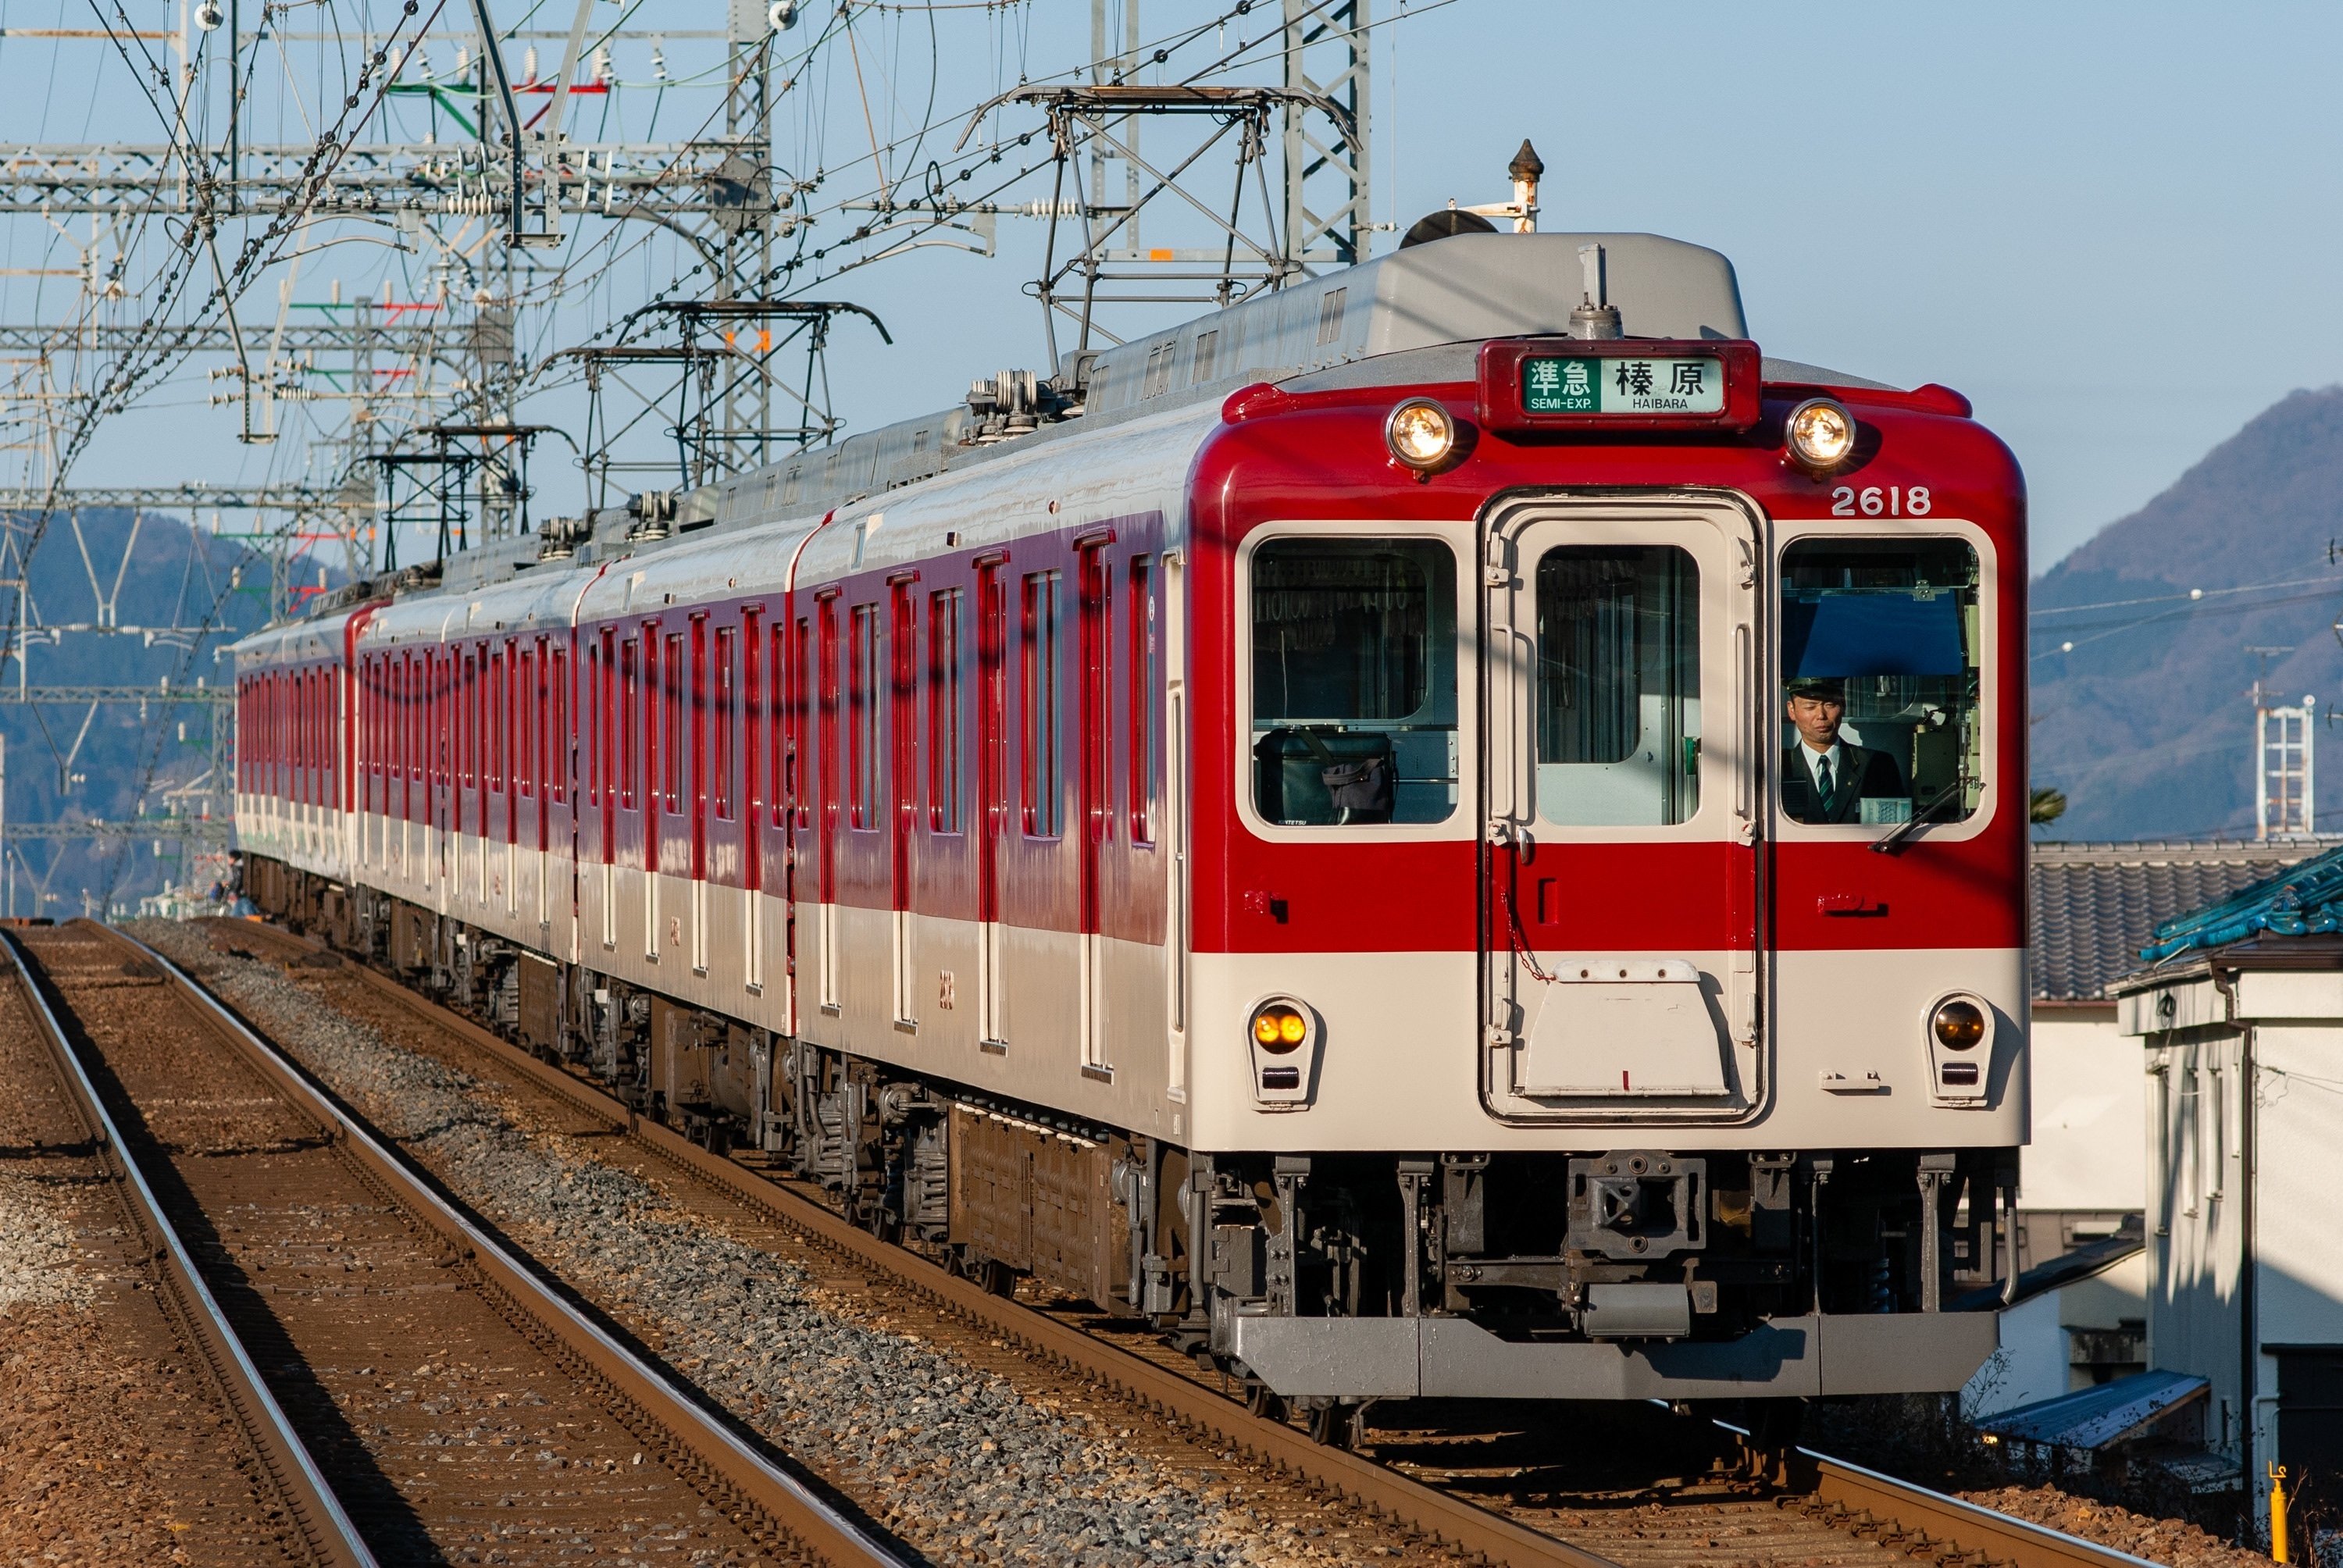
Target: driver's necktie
1824,786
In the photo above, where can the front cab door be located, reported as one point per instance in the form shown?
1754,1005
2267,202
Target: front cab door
1620,931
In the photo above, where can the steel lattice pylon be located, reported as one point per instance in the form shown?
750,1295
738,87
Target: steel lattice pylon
1326,64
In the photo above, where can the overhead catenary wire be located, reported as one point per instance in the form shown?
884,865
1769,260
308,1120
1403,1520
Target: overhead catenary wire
593,272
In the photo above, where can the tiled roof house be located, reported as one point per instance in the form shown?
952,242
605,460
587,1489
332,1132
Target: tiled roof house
2092,907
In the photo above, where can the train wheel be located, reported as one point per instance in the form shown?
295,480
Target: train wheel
1264,1401
1330,1424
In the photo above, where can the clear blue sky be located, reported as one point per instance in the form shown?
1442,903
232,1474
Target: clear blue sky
2114,226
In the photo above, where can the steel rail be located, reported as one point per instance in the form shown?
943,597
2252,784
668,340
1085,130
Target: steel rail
1919,1517
318,1514
1426,1510
809,1524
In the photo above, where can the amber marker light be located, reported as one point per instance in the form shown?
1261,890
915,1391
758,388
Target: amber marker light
1279,1027
1821,435
1959,1024
1421,435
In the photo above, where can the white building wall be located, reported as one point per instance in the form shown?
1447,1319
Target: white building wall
2297,1155
2030,1366
2090,1099
2086,1153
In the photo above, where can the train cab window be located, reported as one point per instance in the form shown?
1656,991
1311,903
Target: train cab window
1618,685
1354,682
1880,681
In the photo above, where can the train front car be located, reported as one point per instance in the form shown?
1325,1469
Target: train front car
1609,816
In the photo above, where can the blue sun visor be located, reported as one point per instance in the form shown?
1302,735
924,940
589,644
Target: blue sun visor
1891,632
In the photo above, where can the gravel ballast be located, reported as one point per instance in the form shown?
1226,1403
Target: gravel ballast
951,1456
39,1261
114,1447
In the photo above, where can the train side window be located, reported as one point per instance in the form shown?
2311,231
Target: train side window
630,706
1039,689
512,745
1880,717
825,667
726,715
943,712
468,759
557,761
484,704
530,713
418,717
1354,709
600,782
863,719
1146,683
499,705
376,729
753,677
535,709
1618,685
672,701
529,720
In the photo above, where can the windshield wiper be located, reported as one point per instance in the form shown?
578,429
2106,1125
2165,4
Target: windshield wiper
1888,843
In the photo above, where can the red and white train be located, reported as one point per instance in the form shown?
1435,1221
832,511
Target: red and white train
1451,830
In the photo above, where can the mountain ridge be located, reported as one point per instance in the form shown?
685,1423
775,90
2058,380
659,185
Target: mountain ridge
2146,723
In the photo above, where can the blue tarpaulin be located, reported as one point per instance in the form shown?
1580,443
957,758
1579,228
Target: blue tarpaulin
2096,1417
2301,900
1877,633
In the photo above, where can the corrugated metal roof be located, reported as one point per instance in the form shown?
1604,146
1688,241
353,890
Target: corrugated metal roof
2093,906
2096,1417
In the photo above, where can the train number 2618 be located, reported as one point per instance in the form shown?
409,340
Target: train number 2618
1875,501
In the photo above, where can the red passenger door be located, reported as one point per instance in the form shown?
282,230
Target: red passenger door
1094,803
1621,739
992,786
902,740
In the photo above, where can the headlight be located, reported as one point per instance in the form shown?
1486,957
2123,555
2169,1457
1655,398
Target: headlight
1279,1027
1419,434
1821,434
1959,1025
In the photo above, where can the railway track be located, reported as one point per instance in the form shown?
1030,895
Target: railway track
317,1530
413,1391
1445,1485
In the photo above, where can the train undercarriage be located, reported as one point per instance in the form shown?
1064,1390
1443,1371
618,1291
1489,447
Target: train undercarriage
1326,1281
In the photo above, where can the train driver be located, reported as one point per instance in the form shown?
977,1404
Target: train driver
1824,777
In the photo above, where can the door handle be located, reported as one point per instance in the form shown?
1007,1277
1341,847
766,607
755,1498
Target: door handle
1744,773
1505,723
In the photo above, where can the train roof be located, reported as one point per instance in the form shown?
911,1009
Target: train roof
1415,316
